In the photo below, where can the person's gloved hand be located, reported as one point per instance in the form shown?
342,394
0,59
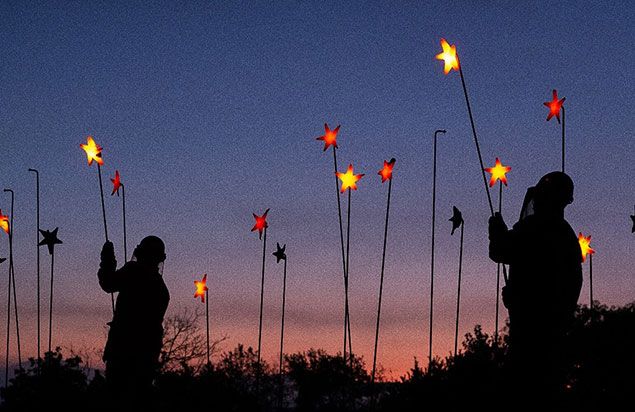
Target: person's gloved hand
108,252
497,224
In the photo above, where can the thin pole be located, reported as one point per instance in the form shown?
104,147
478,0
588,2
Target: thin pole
339,215
51,302
284,293
458,294
498,268
381,284
348,248
262,294
125,240
12,274
563,147
6,364
37,241
434,194
591,282
207,322
103,211
478,148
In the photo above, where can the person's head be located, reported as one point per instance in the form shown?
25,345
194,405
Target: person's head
150,252
553,193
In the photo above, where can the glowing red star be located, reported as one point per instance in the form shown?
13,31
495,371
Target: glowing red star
554,106
330,136
261,223
116,183
349,179
585,245
498,173
4,222
201,288
386,171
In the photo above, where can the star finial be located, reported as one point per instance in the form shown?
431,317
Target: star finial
49,239
585,246
93,151
279,253
456,219
330,136
201,288
554,106
386,171
2,259
449,57
4,222
498,172
261,223
349,179
116,183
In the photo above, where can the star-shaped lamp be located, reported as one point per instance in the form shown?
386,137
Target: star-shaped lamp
456,219
386,171
585,246
4,222
116,183
2,259
279,253
498,173
349,179
201,288
554,106
49,238
261,223
93,151
448,56
330,136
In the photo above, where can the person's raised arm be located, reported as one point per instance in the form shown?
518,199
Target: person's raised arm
109,278
501,243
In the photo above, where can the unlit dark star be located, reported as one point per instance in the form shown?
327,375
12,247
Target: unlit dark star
2,259
279,253
50,239
456,219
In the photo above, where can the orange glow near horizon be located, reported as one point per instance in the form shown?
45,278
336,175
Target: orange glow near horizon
116,183
93,151
449,57
4,222
349,179
261,223
585,246
554,106
386,171
201,288
330,136
498,172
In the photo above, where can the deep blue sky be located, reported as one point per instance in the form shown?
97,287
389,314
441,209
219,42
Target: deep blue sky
210,110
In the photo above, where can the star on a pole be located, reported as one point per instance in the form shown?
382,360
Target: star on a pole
498,172
116,183
349,179
330,136
261,223
386,171
201,288
456,219
554,106
49,239
279,253
449,57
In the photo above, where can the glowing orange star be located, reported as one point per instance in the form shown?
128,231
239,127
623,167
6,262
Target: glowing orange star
330,136
585,245
349,179
498,173
554,106
93,151
4,222
201,288
448,56
116,183
386,171
261,223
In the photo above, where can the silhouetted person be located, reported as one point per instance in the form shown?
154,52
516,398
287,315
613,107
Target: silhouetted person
136,331
545,278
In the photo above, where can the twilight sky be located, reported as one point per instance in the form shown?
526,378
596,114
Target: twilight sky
210,111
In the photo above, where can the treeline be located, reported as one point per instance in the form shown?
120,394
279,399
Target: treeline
600,356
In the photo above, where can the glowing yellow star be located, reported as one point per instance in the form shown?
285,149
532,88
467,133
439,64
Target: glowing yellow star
4,222
448,56
349,179
201,288
93,151
585,245
498,173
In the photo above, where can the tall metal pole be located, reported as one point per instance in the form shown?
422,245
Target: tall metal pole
37,240
563,145
498,268
458,294
262,294
434,190
284,294
12,274
348,244
125,239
